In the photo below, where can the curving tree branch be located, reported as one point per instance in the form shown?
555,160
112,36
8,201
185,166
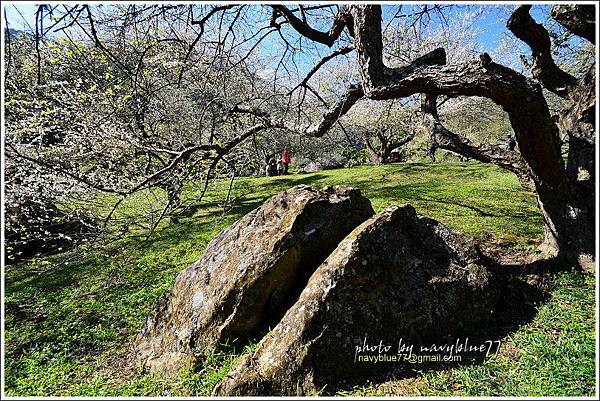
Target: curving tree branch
341,20
522,98
536,36
352,95
519,96
325,59
540,164
330,117
485,153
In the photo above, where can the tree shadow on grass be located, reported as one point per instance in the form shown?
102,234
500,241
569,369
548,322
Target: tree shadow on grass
470,169
475,209
249,202
23,312
517,306
41,301
293,180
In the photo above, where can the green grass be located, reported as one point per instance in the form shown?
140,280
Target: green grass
553,355
70,319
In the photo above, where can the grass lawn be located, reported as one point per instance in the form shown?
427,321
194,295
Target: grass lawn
68,325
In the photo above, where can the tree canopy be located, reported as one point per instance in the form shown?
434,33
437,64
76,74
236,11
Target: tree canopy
109,102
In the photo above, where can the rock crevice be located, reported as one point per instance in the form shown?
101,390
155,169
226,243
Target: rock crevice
327,275
249,275
398,275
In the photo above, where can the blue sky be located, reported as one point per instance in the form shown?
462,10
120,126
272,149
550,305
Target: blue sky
490,27
13,17
493,24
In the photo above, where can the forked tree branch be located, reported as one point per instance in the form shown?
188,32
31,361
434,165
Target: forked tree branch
352,95
325,59
519,96
329,118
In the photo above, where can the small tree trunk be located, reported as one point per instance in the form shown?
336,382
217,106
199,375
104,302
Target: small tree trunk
384,151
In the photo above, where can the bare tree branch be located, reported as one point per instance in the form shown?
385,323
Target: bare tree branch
325,59
352,95
202,23
340,21
579,19
536,36
448,140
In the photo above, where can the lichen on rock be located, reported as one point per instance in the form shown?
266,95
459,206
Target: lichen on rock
397,275
249,275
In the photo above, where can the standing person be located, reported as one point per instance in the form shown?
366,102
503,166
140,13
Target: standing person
510,142
285,159
272,167
279,167
431,152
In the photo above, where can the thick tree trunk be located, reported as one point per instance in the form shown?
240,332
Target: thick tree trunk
552,204
535,130
565,193
381,154
578,122
579,19
384,151
377,154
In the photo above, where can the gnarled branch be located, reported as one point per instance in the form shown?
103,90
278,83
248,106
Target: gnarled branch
577,18
519,96
352,95
448,140
536,36
340,21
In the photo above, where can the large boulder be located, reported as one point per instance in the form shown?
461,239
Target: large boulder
396,276
249,275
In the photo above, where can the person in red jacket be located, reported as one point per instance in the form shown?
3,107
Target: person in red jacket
285,159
